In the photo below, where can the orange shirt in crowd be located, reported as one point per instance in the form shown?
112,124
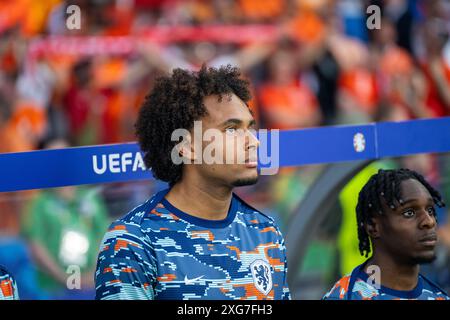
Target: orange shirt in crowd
396,66
434,102
12,141
21,132
294,100
18,134
260,10
307,27
361,86
31,15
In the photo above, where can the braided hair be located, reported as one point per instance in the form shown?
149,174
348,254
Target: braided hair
384,184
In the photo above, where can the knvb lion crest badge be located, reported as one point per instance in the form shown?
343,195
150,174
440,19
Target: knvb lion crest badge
262,276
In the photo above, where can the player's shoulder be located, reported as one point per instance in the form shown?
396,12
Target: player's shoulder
353,286
4,273
432,290
339,289
133,222
250,213
140,214
126,232
8,285
133,218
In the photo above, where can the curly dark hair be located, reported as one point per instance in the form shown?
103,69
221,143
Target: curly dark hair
175,102
385,185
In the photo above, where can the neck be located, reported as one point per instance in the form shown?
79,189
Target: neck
200,199
395,274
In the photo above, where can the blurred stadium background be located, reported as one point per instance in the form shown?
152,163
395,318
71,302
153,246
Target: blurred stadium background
311,63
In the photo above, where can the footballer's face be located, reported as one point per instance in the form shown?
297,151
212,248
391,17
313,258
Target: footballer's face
231,143
408,232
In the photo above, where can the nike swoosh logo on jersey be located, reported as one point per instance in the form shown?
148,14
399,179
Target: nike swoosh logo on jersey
191,281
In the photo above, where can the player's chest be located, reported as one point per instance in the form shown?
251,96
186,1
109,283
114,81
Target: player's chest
234,265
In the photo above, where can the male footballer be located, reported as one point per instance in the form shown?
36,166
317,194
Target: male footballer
196,239
396,214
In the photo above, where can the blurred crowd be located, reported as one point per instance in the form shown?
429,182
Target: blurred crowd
310,63
318,65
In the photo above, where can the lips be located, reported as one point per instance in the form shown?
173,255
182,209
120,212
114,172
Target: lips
251,162
429,240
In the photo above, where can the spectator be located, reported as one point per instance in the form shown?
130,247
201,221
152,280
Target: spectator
437,68
286,100
64,227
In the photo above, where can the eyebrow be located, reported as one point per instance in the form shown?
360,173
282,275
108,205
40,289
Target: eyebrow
414,200
237,122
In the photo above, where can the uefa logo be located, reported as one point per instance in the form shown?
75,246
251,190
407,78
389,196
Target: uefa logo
359,142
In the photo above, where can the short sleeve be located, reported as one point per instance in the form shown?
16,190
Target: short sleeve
126,267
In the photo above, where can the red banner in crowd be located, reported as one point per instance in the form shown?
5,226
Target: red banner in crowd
161,35
93,45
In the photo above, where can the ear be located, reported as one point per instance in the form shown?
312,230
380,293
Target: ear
373,228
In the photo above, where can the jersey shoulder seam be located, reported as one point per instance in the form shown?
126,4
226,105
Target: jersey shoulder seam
434,285
271,220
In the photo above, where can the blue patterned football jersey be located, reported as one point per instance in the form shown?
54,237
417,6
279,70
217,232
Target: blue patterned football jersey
358,286
8,287
159,252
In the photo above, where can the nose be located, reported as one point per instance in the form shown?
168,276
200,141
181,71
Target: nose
251,139
428,221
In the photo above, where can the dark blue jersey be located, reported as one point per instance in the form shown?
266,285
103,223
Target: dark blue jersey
159,252
358,286
8,287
